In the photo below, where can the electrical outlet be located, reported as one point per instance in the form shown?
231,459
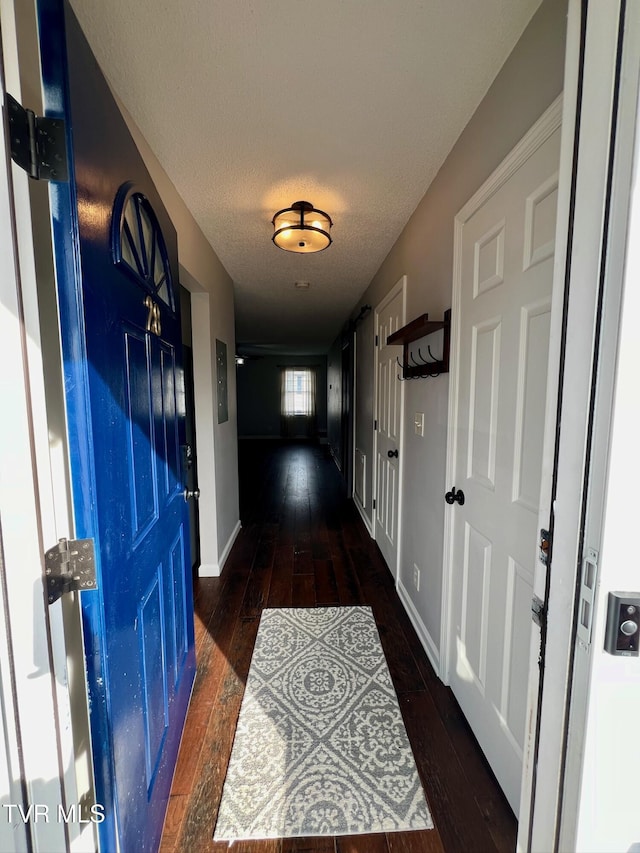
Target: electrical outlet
418,420
416,577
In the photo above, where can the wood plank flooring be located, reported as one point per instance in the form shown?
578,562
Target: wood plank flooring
303,544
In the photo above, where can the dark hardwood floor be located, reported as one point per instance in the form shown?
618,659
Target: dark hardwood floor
303,544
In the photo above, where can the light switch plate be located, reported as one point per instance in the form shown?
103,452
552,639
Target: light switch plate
418,420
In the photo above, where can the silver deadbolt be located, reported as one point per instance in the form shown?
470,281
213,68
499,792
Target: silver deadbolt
195,494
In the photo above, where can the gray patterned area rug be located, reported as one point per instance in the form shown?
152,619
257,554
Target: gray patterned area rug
320,747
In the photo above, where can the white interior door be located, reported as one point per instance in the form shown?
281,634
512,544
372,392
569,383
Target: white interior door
504,255
389,399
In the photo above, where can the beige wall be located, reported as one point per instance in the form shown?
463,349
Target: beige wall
212,317
529,81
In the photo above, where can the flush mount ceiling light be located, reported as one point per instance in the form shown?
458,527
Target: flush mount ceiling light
301,228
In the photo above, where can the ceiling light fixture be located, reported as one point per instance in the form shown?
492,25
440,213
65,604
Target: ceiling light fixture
301,228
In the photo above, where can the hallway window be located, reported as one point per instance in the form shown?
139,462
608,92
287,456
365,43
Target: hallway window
298,392
298,402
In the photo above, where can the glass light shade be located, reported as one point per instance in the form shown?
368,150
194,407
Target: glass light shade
301,228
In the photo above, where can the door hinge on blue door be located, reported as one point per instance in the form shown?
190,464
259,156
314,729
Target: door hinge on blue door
38,144
69,566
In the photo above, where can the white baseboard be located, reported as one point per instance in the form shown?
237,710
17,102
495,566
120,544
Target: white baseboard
208,570
425,637
367,521
214,570
227,548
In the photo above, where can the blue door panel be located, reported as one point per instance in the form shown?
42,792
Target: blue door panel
141,456
154,676
178,602
125,406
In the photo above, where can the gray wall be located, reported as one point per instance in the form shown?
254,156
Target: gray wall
529,81
258,383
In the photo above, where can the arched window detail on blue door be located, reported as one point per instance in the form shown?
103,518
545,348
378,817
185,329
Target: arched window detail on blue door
138,245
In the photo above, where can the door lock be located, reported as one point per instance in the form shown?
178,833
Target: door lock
188,493
392,453
455,496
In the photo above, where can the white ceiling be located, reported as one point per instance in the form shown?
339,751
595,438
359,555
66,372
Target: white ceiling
251,105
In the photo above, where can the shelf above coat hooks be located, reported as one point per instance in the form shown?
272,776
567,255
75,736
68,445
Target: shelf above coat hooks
419,328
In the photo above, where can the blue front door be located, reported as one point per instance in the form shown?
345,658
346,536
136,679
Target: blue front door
116,257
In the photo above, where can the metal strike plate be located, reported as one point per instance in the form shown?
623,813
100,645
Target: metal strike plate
69,566
538,611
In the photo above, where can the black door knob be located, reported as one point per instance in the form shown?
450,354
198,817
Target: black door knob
392,453
454,496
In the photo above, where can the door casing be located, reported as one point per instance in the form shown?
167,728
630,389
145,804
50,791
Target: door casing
46,647
603,67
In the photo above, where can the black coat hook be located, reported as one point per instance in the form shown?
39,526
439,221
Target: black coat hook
431,360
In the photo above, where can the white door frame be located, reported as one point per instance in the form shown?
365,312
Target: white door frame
33,506
557,773
399,287
605,690
555,692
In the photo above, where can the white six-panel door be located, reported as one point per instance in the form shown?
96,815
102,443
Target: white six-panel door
505,253
389,395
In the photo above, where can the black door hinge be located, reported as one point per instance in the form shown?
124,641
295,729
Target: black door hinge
70,565
374,503
38,144
375,425
377,340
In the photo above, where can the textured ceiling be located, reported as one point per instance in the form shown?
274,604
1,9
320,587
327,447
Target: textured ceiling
251,105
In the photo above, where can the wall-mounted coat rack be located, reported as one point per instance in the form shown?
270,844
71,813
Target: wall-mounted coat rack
419,362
